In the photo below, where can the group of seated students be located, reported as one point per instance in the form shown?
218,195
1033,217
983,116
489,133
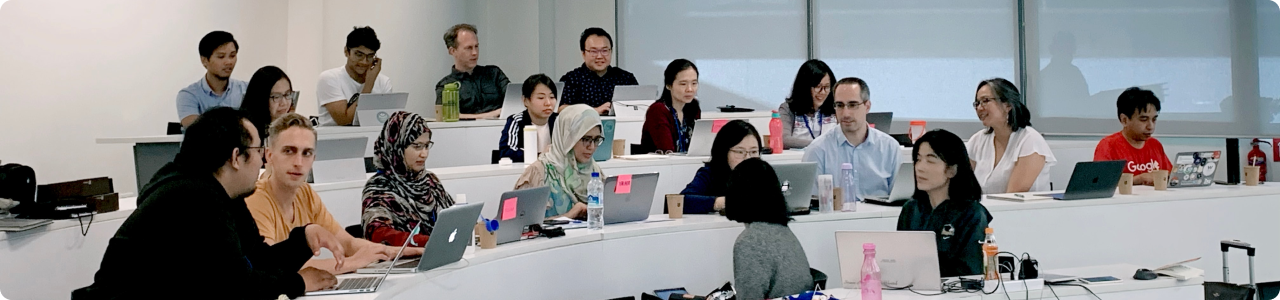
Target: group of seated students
260,232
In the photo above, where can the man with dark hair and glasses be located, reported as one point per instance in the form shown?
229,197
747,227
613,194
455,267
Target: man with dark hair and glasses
218,51
872,153
592,83
193,211
338,88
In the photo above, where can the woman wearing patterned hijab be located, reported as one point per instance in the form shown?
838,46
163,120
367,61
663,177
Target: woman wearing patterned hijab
566,167
402,194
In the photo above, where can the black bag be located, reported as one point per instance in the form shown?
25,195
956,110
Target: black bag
1226,290
18,183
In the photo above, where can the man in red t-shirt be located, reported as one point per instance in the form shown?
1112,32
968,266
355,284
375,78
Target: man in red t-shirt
1138,110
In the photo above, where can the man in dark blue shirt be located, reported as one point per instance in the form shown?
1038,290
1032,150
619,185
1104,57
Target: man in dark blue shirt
592,83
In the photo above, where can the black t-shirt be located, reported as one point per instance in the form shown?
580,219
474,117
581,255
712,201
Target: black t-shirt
959,225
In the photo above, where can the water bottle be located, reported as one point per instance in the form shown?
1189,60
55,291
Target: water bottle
991,269
849,188
870,282
595,205
775,134
449,99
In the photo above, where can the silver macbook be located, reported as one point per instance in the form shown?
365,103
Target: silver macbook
797,180
630,93
449,239
704,135
339,159
631,201
519,209
375,109
364,284
1194,168
904,187
906,258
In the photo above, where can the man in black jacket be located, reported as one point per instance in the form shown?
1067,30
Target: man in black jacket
192,235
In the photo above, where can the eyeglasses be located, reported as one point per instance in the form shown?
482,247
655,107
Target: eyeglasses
851,105
822,88
287,97
363,56
599,52
422,146
258,149
983,101
589,141
743,153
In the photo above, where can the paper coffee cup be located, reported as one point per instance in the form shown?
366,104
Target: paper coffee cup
1126,184
1161,178
675,206
1251,175
488,239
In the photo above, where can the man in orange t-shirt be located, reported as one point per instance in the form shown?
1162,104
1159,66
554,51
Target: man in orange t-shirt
1138,110
283,199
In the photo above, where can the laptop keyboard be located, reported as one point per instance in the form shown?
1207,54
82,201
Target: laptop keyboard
357,283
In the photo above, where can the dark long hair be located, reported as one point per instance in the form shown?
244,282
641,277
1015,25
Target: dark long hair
257,97
755,195
952,152
669,77
730,135
1019,116
809,75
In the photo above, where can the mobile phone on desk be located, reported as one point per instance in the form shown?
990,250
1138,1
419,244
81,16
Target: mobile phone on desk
1100,279
667,293
555,222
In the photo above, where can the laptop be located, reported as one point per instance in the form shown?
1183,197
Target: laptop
906,258
904,187
704,134
880,120
605,150
449,239
628,203
1092,180
797,180
1192,169
519,209
634,92
375,109
338,160
365,284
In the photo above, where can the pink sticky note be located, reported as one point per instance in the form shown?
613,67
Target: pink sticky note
508,209
624,185
717,124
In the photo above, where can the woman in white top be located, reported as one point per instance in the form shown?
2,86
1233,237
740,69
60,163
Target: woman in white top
1008,156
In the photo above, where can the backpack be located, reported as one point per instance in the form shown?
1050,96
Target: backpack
18,183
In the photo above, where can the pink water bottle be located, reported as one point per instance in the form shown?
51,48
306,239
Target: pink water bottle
870,283
775,133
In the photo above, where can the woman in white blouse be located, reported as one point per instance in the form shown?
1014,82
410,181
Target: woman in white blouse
1008,156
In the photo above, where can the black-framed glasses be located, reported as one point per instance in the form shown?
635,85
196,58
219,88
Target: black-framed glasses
259,148
983,101
851,105
587,141
422,146
364,56
287,97
744,153
600,52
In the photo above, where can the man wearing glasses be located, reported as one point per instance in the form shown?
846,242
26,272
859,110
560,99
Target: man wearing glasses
339,88
218,51
481,88
872,153
592,83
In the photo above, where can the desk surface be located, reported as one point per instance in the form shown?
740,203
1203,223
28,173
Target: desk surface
1122,271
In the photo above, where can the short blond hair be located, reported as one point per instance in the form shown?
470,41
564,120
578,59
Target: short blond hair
289,120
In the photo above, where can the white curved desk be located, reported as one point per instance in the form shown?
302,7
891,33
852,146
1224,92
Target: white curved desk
695,252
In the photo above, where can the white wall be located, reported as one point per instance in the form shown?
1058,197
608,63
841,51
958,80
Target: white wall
76,70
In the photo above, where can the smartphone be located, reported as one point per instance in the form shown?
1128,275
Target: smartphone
666,294
555,222
1102,279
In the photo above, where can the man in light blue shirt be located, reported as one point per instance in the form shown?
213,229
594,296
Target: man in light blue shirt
218,51
873,153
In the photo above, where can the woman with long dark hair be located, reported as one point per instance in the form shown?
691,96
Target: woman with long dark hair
809,111
947,202
737,141
768,260
1008,156
668,124
269,96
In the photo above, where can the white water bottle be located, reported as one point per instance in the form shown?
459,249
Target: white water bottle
530,144
595,203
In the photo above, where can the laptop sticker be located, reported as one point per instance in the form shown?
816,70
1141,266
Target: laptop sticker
717,124
624,185
508,209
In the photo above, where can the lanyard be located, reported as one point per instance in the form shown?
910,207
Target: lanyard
806,124
680,146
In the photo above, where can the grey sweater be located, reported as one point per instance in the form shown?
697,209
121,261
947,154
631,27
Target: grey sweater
768,262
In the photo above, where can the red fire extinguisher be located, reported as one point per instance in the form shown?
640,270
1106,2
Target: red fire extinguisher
1258,159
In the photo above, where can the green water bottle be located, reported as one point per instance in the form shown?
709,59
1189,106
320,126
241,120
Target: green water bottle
449,97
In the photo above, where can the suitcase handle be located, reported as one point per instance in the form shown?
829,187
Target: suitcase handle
1228,244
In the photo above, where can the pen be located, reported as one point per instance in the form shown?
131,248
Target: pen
1020,195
